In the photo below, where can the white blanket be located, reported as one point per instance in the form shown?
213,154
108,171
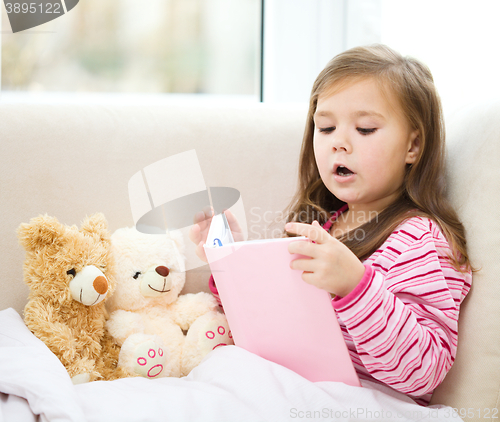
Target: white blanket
231,384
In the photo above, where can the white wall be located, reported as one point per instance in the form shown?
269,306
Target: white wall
301,36
458,39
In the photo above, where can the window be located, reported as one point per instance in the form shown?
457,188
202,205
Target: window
130,46
455,38
214,46
301,36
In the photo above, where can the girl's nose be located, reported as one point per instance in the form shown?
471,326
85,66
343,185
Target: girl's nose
340,142
339,148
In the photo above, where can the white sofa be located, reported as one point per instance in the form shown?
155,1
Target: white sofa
71,160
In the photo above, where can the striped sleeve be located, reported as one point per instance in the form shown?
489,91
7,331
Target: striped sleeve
403,315
215,292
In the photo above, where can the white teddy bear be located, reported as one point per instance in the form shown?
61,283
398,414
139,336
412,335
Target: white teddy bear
161,333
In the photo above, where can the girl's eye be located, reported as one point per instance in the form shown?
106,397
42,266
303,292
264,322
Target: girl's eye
71,272
136,275
327,129
366,131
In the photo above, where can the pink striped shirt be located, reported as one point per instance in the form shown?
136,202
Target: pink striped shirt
400,323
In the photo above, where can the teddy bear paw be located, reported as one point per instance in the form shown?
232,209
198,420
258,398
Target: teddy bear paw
80,379
212,331
150,360
207,333
216,336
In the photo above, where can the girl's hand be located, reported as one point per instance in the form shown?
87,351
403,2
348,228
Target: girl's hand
199,231
332,266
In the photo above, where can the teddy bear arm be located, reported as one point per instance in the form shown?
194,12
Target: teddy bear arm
83,366
77,354
57,336
121,324
189,307
107,362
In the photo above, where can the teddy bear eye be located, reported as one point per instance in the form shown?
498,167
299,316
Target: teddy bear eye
71,272
136,275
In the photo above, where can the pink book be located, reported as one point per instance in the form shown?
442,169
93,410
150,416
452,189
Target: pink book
273,313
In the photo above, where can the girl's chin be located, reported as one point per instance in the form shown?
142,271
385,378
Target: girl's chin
344,196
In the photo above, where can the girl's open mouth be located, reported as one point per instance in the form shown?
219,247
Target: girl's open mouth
343,174
343,171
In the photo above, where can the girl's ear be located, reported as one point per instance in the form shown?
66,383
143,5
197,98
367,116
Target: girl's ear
414,147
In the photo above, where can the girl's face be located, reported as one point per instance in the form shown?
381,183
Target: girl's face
362,143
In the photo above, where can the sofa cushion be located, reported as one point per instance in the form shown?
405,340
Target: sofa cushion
473,173
72,160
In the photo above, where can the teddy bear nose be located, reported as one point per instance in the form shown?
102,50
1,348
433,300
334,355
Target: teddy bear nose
163,271
101,285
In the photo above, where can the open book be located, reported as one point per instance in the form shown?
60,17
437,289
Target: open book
273,313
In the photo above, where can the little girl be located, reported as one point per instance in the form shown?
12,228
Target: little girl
386,244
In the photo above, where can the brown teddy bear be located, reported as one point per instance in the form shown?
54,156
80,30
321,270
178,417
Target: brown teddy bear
69,274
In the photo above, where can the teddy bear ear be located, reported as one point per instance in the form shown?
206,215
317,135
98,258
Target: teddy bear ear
39,232
178,238
96,224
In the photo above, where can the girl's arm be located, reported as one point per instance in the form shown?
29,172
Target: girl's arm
215,292
403,315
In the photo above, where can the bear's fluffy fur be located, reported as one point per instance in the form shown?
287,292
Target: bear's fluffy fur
55,255
161,333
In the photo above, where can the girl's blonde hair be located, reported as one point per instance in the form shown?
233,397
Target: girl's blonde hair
423,189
